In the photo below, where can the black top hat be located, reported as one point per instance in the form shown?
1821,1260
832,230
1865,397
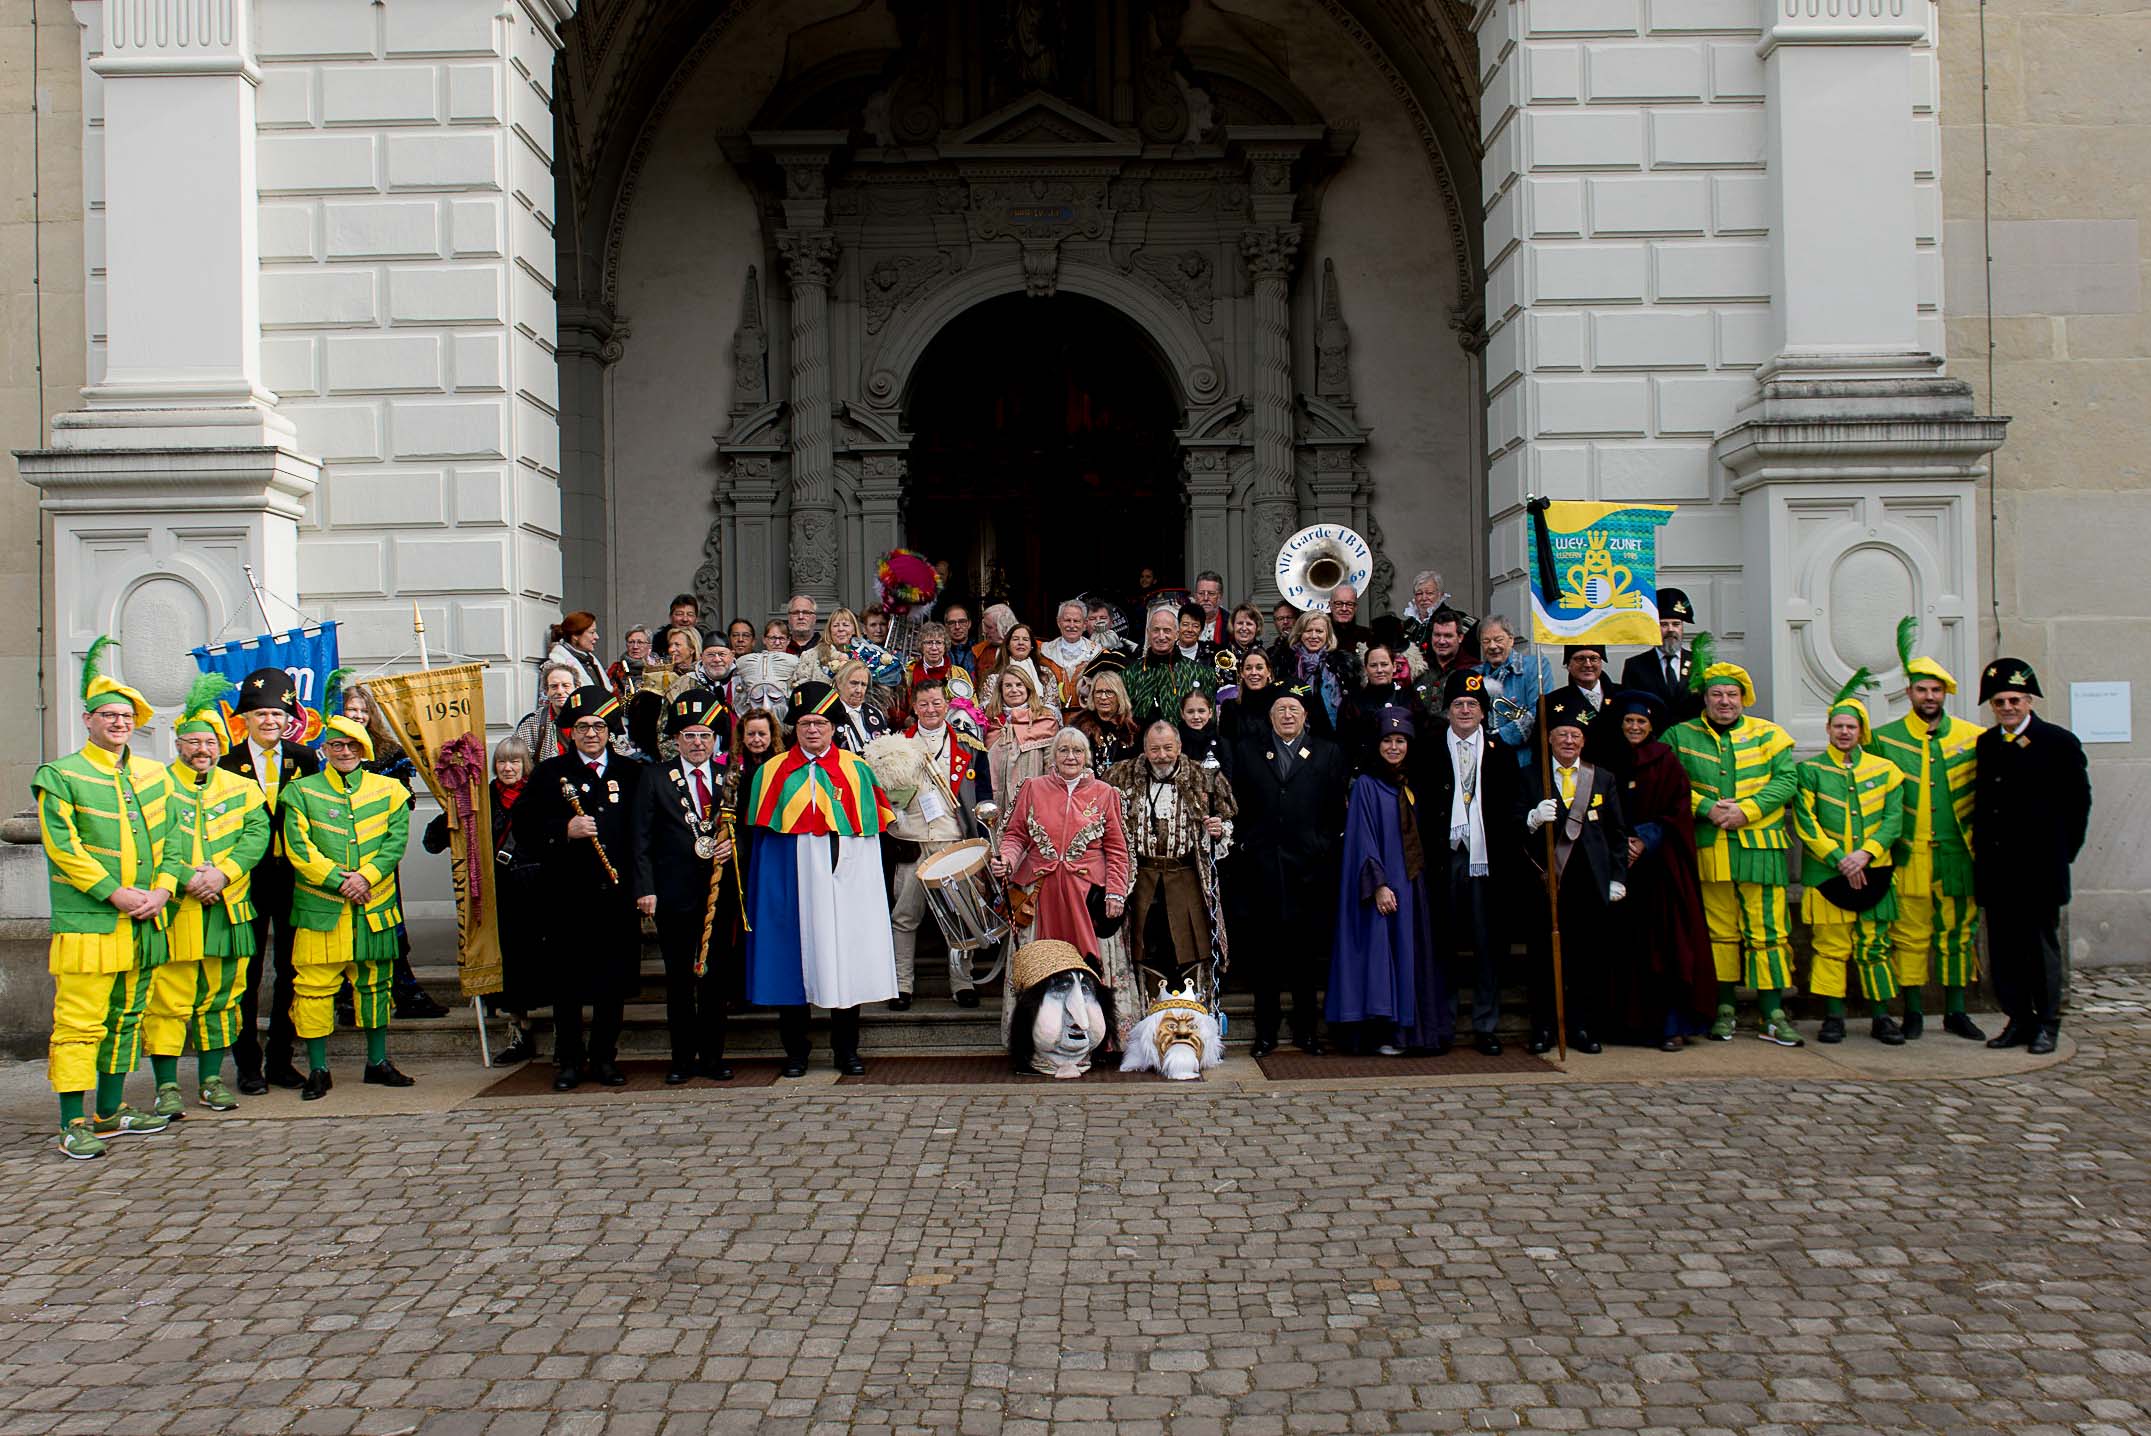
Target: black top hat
2008,675
811,699
1464,684
1569,711
1672,603
692,709
268,688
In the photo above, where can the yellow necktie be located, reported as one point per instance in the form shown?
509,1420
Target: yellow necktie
1566,777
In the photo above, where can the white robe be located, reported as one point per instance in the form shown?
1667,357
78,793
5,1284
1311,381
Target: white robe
847,953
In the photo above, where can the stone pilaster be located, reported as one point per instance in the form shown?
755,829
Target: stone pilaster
1209,491
1272,500
1855,461
591,340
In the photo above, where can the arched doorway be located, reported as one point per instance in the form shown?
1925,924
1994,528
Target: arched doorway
1043,457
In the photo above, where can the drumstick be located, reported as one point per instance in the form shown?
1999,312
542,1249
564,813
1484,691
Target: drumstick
567,790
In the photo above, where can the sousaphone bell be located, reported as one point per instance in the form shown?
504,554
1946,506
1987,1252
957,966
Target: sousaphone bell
1317,561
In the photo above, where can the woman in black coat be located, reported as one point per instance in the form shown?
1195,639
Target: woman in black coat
514,894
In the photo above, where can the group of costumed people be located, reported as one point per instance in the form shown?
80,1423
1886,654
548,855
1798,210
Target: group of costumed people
1357,818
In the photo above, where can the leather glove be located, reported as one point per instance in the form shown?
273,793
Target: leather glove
1616,891
1541,815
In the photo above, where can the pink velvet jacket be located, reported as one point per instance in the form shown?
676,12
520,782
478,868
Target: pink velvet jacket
1048,831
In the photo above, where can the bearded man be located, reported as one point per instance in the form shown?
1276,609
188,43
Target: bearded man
1179,823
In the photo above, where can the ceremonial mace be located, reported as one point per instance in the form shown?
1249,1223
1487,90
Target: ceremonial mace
709,910
567,790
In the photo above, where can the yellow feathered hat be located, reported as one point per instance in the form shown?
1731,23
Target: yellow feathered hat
1915,666
98,690
1704,672
1848,701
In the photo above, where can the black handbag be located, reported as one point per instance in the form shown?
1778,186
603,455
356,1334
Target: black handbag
1104,926
1840,891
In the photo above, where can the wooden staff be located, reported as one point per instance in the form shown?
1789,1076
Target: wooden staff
567,790
1553,887
709,910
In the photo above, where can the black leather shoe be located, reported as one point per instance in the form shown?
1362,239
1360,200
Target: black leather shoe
2044,1039
850,1065
1914,1026
515,1053
253,1087
1831,1031
1541,1043
416,1002
1672,1044
793,1067
1956,1024
1262,1047
286,1077
567,1079
1313,1047
1886,1032
678,1077
1584,1042
316,1085
608,1075
900,1003
1487,1043
384,1074
967,997
2014,1034
715,1071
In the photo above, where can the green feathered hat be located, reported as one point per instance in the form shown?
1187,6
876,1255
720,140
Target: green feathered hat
199,712
1848,701
1705,672
1917,667
99,691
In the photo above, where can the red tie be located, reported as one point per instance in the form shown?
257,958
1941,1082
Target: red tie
595,767
702,795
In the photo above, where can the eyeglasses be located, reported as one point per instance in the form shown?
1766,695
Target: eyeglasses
590,725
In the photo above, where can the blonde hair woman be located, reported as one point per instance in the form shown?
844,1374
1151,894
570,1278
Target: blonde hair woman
1019,730
1109,722
833,650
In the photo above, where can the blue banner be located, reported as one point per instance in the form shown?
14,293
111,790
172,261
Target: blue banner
307,654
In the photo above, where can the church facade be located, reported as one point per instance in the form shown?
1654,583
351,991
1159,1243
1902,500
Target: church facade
500,307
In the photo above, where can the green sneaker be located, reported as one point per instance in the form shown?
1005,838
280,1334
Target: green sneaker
217,1097
1722,1029
1780,1030
78,1142
127,1122
169,1104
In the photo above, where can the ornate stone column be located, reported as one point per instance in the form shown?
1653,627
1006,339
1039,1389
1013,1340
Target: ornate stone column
591,341
808,248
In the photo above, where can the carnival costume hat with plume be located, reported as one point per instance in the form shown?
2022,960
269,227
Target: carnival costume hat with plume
1706,672
332,698
98,690
1916,666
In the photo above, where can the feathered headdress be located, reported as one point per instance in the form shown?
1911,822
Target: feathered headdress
332,714
198,711
1848,700
1702,652
1705,671
96,687
1915,666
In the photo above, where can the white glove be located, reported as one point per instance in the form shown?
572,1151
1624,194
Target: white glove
1541,815
1616,891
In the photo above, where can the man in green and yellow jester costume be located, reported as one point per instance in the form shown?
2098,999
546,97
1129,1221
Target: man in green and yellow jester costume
219,831
1937,924
345,830
103,814
1741,770
1849,813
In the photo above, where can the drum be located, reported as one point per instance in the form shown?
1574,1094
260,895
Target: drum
964,896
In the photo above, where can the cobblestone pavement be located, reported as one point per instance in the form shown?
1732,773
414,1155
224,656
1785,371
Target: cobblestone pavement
1731,1255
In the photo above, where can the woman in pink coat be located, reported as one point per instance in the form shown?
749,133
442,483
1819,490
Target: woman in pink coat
1064,834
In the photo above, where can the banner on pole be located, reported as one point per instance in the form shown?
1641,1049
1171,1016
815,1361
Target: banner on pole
1594,572
439,713
307,654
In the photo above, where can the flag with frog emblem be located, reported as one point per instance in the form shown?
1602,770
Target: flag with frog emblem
1594,572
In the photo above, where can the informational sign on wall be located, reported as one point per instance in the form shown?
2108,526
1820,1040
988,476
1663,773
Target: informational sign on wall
2099,712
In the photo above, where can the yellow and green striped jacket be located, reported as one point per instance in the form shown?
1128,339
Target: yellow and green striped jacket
221,820
1841,810
335,826
1941,766
1752,764
104,820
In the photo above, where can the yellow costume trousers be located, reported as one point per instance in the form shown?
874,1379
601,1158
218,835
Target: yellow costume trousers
96,1026
1864,945
1932,924
198,999
1750,933
320,962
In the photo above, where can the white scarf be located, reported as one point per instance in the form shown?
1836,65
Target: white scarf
1467,816
1069,656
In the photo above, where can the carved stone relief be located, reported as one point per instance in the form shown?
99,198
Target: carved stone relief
893,281
1186,277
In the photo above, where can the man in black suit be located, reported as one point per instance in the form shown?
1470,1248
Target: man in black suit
1590,858
1587,691
269,703
858,722
596,935
1291,788
681,847
1662,672
1466,790
2031,806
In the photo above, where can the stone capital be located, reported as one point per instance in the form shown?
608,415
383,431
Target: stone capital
177,37
809,255
1840,22
1270,250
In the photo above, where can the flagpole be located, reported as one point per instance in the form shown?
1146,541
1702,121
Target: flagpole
254,586
1553,888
